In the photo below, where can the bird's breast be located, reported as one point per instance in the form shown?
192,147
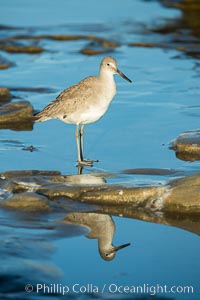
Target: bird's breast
100,103
93,113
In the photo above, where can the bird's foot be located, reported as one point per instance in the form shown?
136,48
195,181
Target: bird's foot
87,162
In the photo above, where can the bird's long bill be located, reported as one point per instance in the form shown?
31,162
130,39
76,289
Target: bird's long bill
123,76
122,246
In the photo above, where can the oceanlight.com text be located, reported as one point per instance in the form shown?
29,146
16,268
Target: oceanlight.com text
112,288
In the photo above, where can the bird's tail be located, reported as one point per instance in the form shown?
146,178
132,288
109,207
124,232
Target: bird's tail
40,117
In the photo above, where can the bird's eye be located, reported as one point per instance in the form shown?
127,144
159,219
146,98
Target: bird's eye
108,64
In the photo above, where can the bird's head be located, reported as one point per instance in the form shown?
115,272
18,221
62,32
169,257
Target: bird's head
109,64
109,254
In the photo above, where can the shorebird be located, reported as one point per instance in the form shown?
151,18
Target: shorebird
102,228
85,102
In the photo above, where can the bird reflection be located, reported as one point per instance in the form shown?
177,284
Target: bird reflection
102,228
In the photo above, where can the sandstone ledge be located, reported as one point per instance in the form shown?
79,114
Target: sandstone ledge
180,196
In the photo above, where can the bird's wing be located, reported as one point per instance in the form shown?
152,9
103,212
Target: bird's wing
68,100
79,92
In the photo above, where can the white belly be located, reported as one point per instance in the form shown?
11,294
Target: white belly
93,114
89,115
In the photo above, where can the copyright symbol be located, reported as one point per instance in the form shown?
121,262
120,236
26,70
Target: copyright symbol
29,288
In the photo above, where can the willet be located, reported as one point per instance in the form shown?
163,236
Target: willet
102,228
85,102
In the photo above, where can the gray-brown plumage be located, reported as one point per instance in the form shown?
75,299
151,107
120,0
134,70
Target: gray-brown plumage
85,102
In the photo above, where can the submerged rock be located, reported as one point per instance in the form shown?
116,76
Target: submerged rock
99,46
16,115
5,95
153,171
40,90
5,63
30,202
63,37
96,46
148,45
23,49
187,145
95,50
27,173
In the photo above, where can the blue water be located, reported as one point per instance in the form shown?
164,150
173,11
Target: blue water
135,133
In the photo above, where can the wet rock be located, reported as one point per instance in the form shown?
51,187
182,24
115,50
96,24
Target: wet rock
149,171
105,43
30,148
187,145
180,196
99,46
167,198
64,37
23,49
147,45
41,90
20,182
9,45
105,195
5,64
187,156
194,49
28,180
182,4
5,95
28,173
160,172
29,202
184,195
92,51
55,37
24,126
16,116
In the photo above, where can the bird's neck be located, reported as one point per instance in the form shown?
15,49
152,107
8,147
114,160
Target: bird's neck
108,83
106,76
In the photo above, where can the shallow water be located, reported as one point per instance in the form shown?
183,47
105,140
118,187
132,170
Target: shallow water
135,133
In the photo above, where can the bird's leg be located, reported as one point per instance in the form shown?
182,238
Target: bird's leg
79,145
81,139
87,162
